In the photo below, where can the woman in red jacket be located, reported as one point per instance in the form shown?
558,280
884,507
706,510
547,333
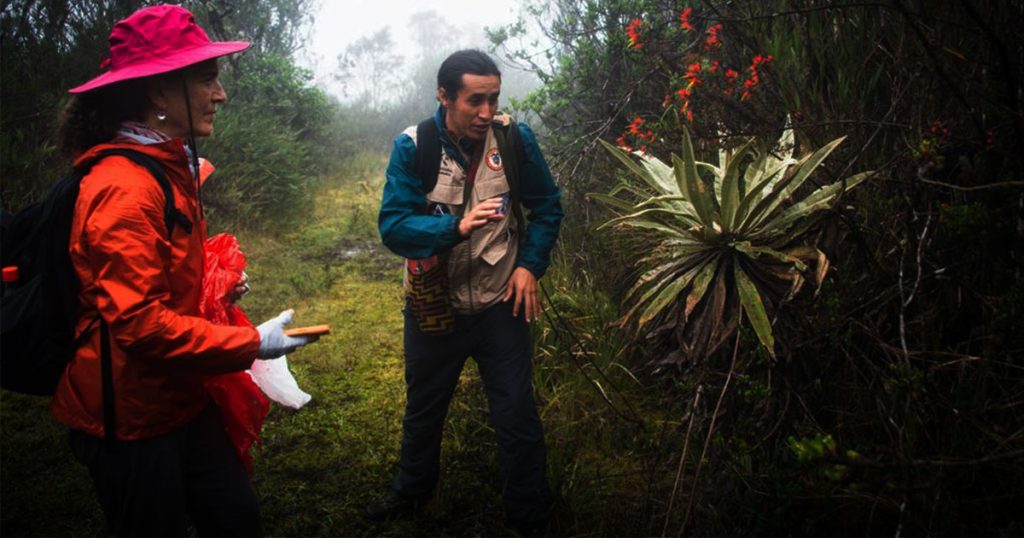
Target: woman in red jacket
143,423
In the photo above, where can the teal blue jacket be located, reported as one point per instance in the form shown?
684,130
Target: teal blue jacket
408,232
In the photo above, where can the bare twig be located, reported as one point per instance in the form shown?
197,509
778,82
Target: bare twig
863,150
777,14
920,252
903,307
996,185
682,457
711,428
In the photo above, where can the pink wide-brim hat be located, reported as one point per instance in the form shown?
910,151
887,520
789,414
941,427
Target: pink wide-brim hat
154,40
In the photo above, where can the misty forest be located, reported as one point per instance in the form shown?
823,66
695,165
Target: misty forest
786,298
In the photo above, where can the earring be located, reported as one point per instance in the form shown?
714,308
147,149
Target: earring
161,116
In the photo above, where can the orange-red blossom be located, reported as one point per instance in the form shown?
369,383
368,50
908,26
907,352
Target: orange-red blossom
633,31
684,19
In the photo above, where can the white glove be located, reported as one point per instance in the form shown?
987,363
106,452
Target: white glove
273,341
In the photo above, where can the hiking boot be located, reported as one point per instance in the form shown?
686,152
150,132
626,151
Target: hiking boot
394,506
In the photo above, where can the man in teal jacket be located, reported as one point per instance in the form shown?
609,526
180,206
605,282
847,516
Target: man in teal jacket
464,217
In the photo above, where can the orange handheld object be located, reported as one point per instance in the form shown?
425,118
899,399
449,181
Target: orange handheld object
314,330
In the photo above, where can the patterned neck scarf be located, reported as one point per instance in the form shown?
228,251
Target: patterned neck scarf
146,135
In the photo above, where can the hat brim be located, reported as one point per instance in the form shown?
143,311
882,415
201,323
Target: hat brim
166,64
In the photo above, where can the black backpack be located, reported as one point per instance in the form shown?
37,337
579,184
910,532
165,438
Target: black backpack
39,309
428,160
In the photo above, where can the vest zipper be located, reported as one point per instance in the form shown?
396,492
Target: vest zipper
469,273
467,200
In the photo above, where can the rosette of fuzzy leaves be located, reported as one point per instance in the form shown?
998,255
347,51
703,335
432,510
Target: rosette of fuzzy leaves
726,238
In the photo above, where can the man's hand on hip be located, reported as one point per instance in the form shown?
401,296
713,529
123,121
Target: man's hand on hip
523,285
480,215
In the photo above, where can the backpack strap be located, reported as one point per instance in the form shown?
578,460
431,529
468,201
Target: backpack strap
172,216
513,155
107,375
428,154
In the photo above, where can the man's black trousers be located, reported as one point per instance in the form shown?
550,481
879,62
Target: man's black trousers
500,345
152,487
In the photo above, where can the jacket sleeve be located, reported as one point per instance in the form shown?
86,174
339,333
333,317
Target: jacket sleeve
542,200
404,229
128,253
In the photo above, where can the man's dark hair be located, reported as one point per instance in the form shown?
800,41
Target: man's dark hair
466,61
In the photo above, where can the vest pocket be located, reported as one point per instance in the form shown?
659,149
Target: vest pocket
496,235
497,248
451,180
491,187
446,194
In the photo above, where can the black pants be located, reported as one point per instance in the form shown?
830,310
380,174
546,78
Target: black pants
152,487
500,344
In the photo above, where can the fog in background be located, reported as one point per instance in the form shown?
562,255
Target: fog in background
383,56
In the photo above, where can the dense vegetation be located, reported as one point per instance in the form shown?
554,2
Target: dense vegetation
889,401
893,402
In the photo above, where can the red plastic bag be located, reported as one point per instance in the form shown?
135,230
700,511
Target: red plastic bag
243,407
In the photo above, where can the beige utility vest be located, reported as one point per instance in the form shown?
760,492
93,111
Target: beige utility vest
480,266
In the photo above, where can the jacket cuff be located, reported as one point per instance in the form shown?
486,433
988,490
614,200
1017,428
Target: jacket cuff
535,271
453,237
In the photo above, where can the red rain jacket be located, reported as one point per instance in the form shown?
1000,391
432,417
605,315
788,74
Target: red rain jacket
148,289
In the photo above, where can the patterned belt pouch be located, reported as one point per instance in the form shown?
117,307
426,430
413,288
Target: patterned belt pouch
428,295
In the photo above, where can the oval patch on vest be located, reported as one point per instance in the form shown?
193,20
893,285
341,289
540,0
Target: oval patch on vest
493,159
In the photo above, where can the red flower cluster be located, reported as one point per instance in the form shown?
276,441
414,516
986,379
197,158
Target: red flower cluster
939,130
703,73
692,77
731,75
755,75
633,31
712,40
938,134
635,130
684,19
692,73
685,94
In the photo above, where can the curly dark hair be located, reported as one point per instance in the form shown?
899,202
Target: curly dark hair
93,117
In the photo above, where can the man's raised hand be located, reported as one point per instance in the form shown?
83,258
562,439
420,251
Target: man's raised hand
484,212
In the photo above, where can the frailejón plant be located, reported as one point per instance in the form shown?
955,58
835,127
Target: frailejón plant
727,239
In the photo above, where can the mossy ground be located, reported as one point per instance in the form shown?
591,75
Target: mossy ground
320,465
